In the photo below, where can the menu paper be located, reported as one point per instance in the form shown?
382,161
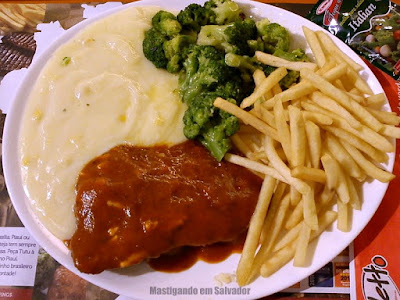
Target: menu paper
18,257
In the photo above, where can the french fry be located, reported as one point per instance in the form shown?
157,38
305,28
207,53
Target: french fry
342,190
333,106
295,196
283,130
369,168
343,157
343,216
310,210
266,85
268,117
376,100
355,200
324,199
341,97
365,133
273,224
390,131
314,143
251,244
281,167
280,191
259,77
280,258
302,245
246,117
358,82
331,171
309,174
296,216
297,136
385,117
276,89
278,62
283,256
304,88
240,145
318,118
316,49
288,238
358,143
360,99
338,83
253,165
335,51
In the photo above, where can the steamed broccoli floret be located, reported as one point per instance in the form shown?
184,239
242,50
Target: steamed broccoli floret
210,125
216,137
205,77
166,23
237,87
273,35
193,17
176,51
241,62
239,33
204,69
153,48
247,65
230,38
198,114
296,55
223,11
214,35
292,76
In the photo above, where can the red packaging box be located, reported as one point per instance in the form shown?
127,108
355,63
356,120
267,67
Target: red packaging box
377,248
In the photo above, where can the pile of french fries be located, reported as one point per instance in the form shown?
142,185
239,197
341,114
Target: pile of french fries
21,17
314,144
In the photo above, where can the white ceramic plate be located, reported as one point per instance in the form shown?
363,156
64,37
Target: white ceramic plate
136,281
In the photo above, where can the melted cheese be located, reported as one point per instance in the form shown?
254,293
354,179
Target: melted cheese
96,91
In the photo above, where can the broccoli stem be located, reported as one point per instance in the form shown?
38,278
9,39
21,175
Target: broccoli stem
214,145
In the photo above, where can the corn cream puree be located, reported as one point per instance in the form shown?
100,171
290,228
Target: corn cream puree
96,91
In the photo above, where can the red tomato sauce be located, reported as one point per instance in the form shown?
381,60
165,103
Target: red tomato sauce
135,203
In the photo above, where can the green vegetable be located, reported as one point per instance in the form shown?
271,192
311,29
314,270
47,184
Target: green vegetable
204,78
204,69
212,48
193,17
153,48
247,65
230,38
241,62
176,51
273,35
210,125
223,11
66,60
166,23
216,136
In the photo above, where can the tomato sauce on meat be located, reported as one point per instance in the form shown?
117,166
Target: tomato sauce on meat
184,257
135,203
